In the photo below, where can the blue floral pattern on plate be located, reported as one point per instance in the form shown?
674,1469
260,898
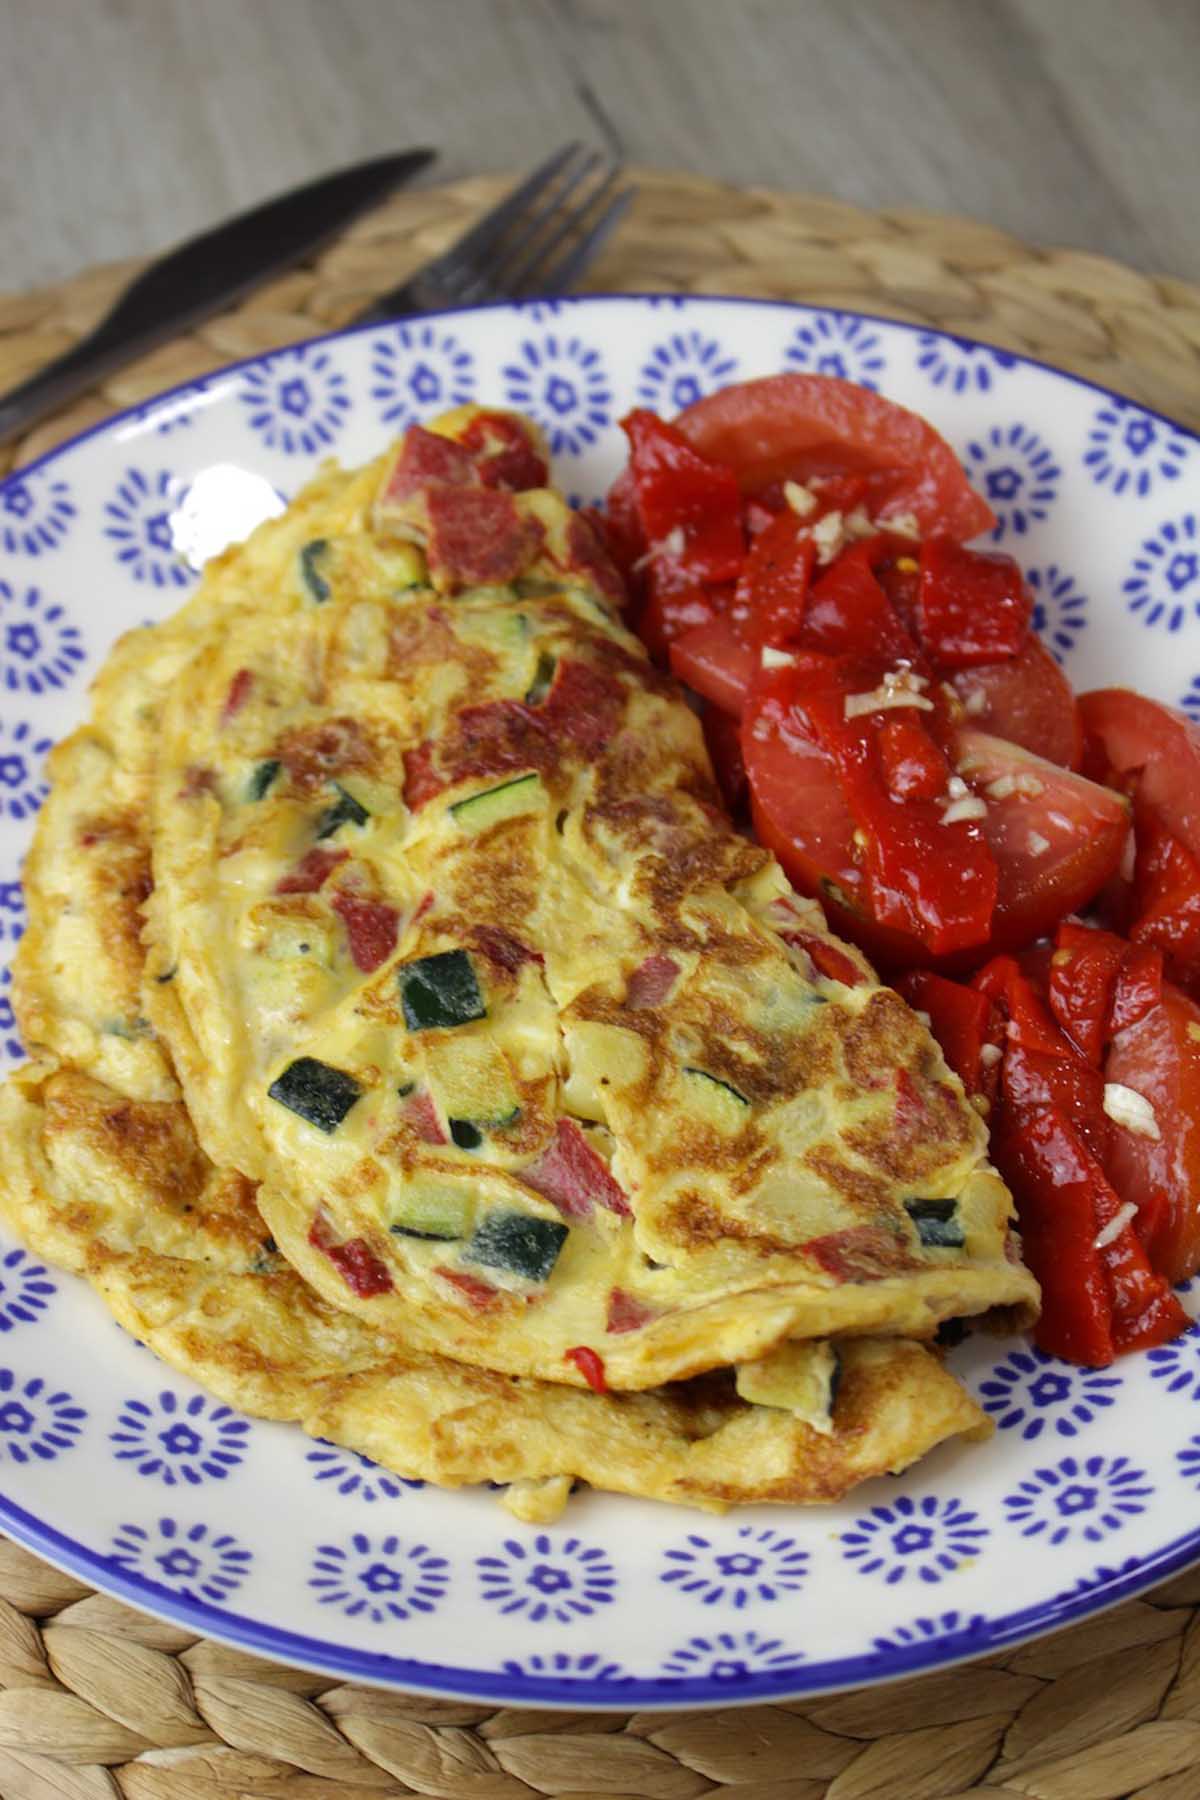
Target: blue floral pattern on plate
37,1421
23,785
12,912
40,646
26,1289
37,511
174,1440
839,344
1163,585
351,1474
1089,1496
853,1598
562,383
1132,452
1031,1392
1017,473
960,365
297,400
763,1564
682,369
1177,1365
929,1538
194,1560
10,1043
545,1578
1060,611
419,370
924,1630
140,525
560,1663
379,1578
731,1656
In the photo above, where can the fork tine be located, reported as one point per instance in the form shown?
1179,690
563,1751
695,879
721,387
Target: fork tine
516,265
493,277
558,277
512,208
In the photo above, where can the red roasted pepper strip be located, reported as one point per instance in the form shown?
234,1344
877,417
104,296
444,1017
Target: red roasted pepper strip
773,585
678,491
964,1022
914,767
1138,988
972,607
1166,899
848,613
590,1366
930,880
1083,974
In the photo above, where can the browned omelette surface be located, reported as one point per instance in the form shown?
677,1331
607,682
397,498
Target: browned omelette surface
456,955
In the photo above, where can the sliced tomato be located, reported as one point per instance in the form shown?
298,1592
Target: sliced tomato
796,426
673,605
1027,699
894,878
712,659
1056,837
1159,1058
723,736
1155,751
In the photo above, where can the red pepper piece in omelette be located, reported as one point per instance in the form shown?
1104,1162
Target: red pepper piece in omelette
573,1176
354,1259
372,928
627,1313
477,536
311,872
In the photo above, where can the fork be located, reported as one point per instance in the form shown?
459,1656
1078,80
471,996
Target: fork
537,241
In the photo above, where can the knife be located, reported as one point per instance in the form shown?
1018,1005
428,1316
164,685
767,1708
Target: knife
205,274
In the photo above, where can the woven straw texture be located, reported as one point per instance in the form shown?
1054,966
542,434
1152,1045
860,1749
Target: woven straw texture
98,1702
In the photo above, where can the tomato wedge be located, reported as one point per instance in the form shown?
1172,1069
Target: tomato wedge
723,738
713,660
1154,748
1056,837
795,426
1027,699
1159,1058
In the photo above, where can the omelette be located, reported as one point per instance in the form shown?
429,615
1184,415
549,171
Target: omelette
101,1173
535,1061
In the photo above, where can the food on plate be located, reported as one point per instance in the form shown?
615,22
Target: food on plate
117,1190
100,1173
1025,864
537,1060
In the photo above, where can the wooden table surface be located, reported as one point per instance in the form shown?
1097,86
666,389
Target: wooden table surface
125,124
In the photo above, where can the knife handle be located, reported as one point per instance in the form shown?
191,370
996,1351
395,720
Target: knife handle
64,379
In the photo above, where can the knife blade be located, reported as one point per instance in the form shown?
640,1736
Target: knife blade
206,273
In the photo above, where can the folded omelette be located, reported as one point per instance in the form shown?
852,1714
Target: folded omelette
537,1062
101,1173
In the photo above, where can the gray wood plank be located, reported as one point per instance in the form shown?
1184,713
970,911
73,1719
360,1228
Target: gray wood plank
126,124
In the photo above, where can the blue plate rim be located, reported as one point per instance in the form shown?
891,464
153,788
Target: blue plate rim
383,1670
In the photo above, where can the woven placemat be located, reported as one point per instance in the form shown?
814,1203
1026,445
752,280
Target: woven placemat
97,1701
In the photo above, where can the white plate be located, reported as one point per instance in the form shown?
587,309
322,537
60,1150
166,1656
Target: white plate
138,1481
